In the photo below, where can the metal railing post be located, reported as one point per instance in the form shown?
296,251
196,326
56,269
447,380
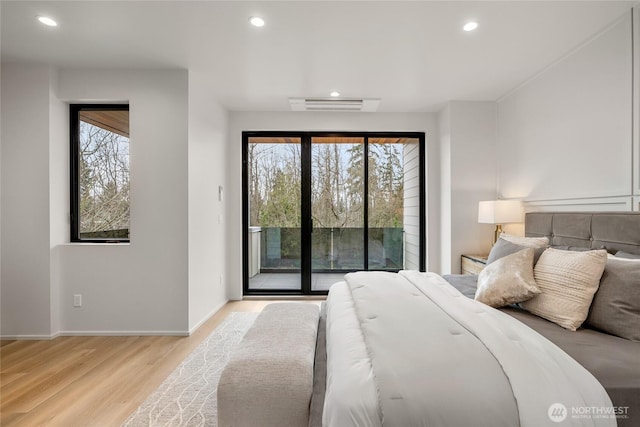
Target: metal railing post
404,250
331,254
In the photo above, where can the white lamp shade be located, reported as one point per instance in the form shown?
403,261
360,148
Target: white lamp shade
499,212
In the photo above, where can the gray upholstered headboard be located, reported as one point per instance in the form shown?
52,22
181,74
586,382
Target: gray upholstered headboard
615,231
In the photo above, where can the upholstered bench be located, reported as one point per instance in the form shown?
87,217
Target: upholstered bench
268,380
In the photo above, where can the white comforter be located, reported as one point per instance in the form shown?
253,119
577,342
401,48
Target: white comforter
408,349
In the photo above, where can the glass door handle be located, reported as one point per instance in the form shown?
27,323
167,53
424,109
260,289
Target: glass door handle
311,221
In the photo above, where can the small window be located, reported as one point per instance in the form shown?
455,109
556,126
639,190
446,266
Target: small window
99,173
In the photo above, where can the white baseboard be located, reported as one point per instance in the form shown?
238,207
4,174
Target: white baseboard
124,333
28,337
115,333
95,334
207,317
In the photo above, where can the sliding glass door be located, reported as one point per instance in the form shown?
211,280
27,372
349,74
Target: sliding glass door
394,203
318,205
274,241
337,208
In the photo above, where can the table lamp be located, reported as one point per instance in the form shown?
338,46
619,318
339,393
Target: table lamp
499,212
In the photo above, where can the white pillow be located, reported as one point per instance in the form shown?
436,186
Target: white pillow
529,242
508,280
568,280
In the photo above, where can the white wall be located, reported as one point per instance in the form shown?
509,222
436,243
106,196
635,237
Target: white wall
1,127
58,195
207,164
444,180
636,108
565,137
26,300
308,121
141,286
468,136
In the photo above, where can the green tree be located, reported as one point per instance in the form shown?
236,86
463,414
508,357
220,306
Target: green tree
390,192
282,206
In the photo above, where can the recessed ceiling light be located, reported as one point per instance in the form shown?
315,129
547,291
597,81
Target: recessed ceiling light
470,26
335,94
47,21
256,21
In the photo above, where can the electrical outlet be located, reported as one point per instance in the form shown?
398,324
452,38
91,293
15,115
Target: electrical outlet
77,300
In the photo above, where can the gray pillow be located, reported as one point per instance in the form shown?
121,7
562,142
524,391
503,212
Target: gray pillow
571,248
502,248
622,254
616,306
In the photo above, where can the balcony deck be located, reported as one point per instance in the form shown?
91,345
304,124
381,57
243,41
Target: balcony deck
275,255
291,281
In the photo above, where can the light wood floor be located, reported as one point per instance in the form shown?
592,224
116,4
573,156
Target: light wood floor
92,381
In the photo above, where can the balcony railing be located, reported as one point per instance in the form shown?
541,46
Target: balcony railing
333,249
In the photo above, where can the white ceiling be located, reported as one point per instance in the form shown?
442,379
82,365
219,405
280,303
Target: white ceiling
412,55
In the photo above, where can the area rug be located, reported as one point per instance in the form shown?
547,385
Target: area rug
188,397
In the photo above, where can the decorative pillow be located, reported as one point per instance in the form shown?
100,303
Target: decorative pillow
508,280
529,242
568,280
616,306
570,248
627,255
503,248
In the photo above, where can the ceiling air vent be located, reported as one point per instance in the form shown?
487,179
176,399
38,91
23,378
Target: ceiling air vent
333,104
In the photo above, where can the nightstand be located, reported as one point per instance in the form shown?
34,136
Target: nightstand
473,264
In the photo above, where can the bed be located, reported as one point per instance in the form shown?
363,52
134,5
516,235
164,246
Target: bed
490,367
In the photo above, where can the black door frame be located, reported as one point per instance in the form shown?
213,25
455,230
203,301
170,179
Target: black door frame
306,225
